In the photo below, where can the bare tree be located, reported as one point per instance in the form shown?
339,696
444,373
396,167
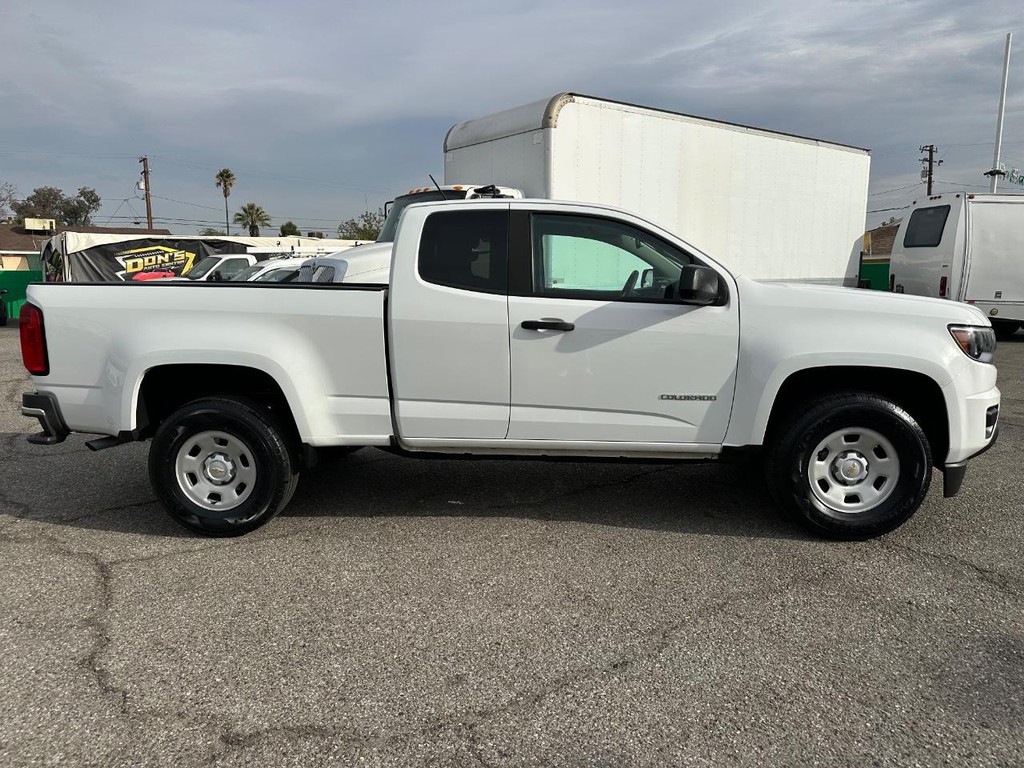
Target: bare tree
7,195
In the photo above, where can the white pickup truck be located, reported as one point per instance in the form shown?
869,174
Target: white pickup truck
520,328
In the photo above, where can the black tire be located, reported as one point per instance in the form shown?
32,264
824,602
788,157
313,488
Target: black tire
880,446
1005,328
221,467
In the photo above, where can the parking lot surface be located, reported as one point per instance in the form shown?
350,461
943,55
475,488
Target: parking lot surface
503,613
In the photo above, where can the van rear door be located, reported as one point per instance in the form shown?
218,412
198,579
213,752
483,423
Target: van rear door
995,256
925,258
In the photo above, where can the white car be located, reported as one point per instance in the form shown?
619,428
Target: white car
370,263
271,271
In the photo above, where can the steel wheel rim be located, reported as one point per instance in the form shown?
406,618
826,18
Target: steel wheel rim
853,470
215,470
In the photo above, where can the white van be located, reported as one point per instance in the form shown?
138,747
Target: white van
966,247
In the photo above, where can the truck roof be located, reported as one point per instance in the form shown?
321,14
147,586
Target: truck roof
544,114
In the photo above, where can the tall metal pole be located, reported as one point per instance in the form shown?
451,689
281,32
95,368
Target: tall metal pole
995,173
145,180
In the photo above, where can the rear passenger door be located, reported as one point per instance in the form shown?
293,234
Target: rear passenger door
448,324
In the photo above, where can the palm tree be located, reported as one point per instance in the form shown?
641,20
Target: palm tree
225,181
252,216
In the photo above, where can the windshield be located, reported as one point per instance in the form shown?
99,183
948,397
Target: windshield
279,275
248,272
200,270
387,232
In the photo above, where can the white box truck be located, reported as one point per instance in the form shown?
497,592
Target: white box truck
966,247
772,205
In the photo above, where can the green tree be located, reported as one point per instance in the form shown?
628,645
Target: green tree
225,181
289,229
366,226
52,203
252,216
210,232
77,211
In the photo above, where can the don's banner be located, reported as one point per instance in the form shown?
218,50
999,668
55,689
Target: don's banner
135,259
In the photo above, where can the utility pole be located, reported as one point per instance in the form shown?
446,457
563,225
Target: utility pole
996,171
145,185
930,165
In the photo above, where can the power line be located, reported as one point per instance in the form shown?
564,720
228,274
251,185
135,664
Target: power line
183,202
896,189
271,175
123,201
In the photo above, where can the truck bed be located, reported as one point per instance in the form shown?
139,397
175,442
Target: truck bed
324,342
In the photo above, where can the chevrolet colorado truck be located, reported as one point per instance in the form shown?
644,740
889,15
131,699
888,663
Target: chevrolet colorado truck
520,328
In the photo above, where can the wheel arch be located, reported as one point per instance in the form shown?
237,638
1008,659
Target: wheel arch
165,388
916,393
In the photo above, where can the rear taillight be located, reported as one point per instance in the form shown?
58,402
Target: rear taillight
942,287
33,340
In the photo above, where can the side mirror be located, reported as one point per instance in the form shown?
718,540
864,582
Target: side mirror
216,276
647,278
699,285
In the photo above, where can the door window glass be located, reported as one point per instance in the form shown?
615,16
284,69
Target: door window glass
466,249
924,230
590,257
231,267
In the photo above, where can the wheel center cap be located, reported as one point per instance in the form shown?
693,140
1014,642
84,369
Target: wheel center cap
850,468
219,468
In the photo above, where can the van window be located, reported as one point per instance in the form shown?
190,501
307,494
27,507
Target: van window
466,249
925,227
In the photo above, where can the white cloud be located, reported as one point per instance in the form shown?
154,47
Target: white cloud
357,96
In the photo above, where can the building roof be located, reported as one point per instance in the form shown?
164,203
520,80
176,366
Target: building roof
882,239
14,237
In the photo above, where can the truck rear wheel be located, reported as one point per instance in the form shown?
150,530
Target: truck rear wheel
850,466
221,467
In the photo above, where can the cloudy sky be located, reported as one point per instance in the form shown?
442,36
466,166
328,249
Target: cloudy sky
323,109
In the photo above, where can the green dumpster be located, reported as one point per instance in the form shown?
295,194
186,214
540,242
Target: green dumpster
15,281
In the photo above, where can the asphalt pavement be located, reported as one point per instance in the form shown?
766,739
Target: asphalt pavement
503,613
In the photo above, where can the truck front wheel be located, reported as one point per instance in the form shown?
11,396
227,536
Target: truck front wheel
221,467
850,466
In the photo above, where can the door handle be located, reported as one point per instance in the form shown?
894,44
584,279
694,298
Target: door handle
547,324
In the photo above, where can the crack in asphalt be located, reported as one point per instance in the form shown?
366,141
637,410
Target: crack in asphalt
1003,582
518,704
96,620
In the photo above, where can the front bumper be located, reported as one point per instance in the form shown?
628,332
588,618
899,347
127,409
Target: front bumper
43,407
953,474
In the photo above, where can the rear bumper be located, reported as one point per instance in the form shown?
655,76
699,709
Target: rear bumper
43,407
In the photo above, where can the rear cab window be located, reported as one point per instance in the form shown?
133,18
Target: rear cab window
924,230
466,250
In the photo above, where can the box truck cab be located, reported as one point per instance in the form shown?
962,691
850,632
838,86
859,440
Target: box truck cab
394,208
965,247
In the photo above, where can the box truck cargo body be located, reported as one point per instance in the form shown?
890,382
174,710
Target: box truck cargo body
965,247
775,206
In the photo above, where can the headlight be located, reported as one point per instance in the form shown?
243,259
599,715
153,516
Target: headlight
977,342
